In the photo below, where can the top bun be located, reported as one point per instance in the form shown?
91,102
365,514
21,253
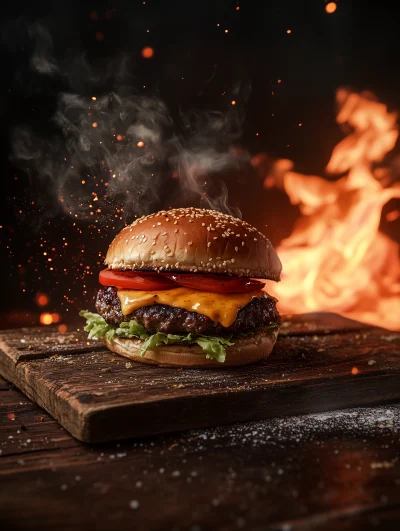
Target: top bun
194,240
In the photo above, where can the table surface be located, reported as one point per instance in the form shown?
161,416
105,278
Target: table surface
333,470
322,471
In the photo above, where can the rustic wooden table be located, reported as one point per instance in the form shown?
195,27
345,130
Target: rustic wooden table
330,470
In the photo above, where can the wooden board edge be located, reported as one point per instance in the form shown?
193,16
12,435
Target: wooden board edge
174,414
73,419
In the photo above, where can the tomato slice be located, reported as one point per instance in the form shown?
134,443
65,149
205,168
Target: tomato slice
146,281
135,280
215,283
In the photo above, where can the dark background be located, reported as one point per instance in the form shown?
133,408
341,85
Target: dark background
196,66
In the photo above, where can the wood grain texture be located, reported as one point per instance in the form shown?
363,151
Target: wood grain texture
338,470
98,396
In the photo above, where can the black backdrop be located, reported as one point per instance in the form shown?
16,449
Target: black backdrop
194,63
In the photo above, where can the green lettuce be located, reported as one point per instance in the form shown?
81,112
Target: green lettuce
214,347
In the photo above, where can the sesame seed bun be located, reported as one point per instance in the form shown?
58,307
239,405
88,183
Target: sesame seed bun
194,240
243,352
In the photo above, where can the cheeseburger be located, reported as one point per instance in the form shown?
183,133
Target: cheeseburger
181,289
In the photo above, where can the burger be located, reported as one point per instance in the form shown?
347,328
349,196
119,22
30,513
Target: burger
185,288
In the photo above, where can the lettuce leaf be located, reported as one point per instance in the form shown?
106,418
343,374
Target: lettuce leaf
213,347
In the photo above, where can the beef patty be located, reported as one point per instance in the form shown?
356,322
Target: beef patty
170,320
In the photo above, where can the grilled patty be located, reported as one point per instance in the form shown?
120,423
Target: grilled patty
170,320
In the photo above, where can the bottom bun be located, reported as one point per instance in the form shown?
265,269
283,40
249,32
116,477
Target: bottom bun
243,352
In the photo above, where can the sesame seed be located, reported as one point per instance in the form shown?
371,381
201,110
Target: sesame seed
236,249
190,243
209,244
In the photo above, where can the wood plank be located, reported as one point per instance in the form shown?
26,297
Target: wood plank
99,396
23,344
309,472
319,323
24,427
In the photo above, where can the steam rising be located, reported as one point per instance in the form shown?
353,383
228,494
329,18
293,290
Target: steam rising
120,151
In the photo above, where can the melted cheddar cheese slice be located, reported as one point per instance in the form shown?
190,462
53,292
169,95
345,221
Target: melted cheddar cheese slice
220,307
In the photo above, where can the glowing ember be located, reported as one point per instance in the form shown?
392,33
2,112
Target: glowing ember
46,318
140,143
55,317
147,52
336,259
331,7
42,299
354,370
62,328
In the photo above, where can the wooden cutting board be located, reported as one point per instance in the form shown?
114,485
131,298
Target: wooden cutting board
320,362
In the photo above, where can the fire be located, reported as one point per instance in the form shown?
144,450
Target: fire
336,259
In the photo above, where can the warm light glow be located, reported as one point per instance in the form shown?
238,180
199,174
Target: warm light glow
147,52
55,317
331,7
336,258
94,98
233,102
119,138
94,124
393,215
42,299
288,32
354,370
46,318
140,143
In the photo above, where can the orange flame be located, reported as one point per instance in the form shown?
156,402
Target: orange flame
336,259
